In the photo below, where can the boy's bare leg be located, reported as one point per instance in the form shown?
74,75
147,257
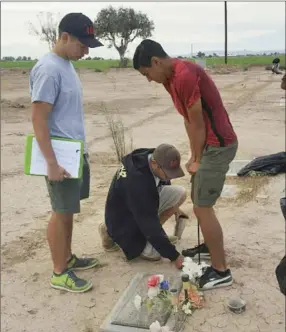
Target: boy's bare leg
213,235
69,230
58,238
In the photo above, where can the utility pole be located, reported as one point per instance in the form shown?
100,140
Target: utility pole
225,32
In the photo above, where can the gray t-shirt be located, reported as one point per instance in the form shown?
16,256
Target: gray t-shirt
54,80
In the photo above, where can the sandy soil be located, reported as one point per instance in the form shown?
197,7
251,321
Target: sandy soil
253,228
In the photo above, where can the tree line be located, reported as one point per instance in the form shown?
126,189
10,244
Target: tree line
19,58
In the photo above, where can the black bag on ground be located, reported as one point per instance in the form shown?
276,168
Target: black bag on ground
272,164
281,275
283,206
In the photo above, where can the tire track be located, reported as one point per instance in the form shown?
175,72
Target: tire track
247,96
133,125
232,85
240,102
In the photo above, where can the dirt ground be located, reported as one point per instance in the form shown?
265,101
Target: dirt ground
254,228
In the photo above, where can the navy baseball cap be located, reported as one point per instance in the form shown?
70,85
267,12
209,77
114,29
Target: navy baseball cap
81,27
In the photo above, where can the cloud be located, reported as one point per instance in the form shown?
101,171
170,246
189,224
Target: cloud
178,25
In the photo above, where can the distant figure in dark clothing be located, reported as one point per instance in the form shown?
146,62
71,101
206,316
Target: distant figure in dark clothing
275,66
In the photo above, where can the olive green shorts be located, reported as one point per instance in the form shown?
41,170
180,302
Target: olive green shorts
208,182
66,195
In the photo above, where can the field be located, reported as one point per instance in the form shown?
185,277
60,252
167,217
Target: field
103,65
253,225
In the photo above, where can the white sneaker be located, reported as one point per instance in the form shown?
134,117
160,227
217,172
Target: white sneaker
150,253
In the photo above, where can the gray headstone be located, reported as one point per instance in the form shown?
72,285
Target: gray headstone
230,191
235,166
126,318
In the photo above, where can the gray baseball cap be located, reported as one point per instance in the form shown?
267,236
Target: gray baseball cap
169,159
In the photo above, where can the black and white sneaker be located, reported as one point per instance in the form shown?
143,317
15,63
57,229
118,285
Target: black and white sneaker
212,279
194,252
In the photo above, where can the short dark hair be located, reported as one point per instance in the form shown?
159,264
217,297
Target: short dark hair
145,51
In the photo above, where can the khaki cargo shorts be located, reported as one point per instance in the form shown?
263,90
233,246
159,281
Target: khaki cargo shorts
170,196
208,182
66,195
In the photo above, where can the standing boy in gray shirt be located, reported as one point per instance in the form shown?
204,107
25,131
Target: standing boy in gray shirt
57,110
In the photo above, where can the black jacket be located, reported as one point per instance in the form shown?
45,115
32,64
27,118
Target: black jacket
131,210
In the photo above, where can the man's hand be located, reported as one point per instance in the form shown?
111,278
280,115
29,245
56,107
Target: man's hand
57,173
179,262
192,166
189,163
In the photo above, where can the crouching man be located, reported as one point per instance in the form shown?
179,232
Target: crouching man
140,200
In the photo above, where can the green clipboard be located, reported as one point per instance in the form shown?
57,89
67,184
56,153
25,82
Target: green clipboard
29,151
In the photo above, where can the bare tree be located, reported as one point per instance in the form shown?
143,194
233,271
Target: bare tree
47,29
120,27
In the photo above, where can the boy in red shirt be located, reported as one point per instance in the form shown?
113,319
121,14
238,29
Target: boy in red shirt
213,145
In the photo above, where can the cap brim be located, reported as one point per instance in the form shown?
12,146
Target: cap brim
174,173
91,42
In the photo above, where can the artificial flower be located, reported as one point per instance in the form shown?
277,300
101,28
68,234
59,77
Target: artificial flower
164,285
153,281
187,308
156,327
153,292
137,302
193,269
161,276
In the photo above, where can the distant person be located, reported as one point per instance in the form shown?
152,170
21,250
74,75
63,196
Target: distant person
275,66
213,145
57,110
140,200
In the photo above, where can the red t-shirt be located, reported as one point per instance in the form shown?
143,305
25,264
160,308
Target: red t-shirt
188,83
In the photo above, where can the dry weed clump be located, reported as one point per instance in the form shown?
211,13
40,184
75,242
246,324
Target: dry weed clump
118,133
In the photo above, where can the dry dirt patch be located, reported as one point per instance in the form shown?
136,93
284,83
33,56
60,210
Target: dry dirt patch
253,229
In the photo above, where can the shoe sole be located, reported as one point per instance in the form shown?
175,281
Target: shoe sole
150,259
156,259
203,256
71,290
174,241
111,249
225,284
85,267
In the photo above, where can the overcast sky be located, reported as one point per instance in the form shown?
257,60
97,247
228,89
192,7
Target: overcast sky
252,26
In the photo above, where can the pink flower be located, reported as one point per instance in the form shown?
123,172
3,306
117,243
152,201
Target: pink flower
153,281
